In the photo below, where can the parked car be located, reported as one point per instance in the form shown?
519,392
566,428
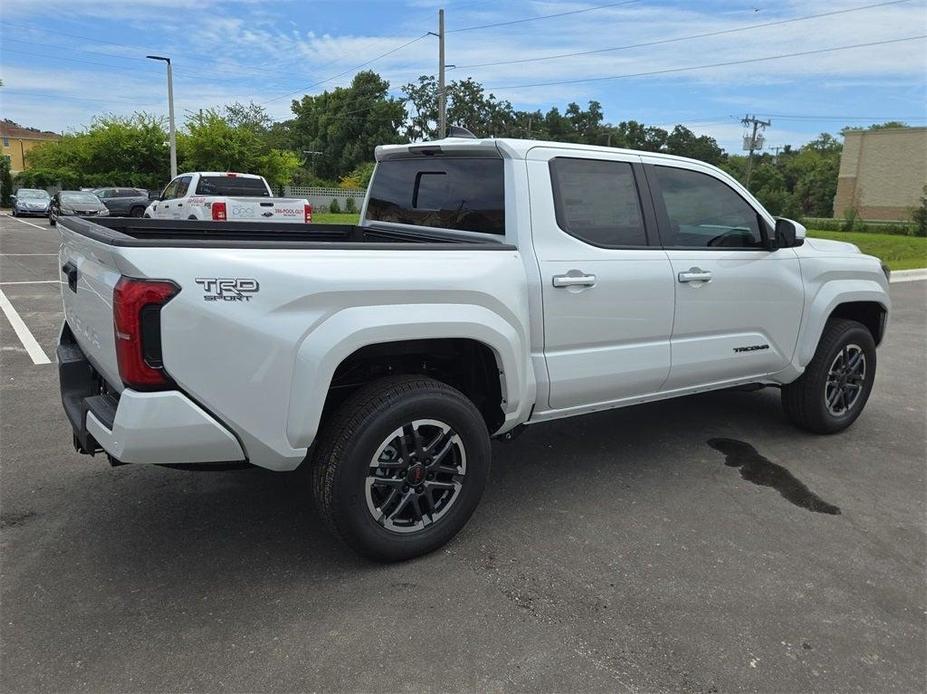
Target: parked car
79,203
30,202
226,197
490,284
124,202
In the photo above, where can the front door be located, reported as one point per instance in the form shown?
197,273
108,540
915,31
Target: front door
607,290
738,304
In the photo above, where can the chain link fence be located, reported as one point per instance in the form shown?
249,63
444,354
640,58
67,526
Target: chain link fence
321,198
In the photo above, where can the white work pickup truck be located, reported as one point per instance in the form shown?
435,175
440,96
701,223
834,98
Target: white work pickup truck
490,284
226,197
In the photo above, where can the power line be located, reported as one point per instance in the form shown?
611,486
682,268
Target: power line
70,60
76,98
782,116
545,16
351,69
81,50
683,38
710,65
121,45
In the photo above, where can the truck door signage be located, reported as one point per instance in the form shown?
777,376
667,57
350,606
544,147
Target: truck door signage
228,288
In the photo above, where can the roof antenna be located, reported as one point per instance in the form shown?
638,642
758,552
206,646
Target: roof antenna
457,131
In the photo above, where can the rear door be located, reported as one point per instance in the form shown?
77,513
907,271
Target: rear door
607,286
738,304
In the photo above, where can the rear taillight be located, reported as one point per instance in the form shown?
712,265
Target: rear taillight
307,214
218,212
137,321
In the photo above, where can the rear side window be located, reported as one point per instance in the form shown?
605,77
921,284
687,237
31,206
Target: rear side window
232,186
597,201
182,185
467,194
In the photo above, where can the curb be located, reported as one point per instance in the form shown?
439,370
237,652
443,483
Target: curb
908,275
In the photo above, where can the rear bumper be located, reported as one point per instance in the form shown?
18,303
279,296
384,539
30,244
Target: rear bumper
133,427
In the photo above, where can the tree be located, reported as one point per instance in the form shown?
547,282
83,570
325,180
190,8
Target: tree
113,150
6,182
468,105
685,143
233,140
346,124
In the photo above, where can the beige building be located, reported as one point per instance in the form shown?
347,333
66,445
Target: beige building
17,141
882,173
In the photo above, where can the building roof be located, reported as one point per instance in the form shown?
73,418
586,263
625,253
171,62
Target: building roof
12,129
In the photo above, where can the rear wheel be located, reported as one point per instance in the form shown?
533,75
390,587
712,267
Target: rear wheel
400,468
136,211
833,390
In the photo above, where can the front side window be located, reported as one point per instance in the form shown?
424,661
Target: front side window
705,212
170,192
443,192
597,202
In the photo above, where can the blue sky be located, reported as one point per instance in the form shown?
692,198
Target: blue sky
63,61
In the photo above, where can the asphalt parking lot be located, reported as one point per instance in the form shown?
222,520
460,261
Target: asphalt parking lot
613,552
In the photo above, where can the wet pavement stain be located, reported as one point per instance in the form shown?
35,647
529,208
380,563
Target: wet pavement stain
759,470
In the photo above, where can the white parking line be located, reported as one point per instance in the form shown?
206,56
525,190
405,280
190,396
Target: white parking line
23,221
32,347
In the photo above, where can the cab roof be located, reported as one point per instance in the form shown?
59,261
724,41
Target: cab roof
510,148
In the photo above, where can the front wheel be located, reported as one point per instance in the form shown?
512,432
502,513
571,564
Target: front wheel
833,390
401,467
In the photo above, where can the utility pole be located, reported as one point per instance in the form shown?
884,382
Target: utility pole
442,101
170,111
753,142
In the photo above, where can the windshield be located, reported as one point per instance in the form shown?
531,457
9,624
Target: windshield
232,185
85,198
32,194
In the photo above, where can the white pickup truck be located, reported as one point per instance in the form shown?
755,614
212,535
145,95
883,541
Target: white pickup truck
490,284
226,197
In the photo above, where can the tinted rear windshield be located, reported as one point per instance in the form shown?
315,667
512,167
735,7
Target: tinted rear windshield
232,185
444,192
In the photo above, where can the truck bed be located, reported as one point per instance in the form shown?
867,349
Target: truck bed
134,232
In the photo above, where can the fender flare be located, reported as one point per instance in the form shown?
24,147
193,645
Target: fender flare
829,297
348,330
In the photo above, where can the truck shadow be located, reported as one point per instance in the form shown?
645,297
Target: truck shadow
207,524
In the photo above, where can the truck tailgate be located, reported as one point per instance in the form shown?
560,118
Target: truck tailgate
257,209
89,272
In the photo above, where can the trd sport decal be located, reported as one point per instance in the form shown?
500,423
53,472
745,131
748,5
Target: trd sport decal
751,348
228,288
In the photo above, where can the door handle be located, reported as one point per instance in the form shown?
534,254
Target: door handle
574,280
695,274
70,270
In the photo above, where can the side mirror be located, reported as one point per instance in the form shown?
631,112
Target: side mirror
789,233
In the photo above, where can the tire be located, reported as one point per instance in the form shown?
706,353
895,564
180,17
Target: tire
807,401
136,212
52,221
366,505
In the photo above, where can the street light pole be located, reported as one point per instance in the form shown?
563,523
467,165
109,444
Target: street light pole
442,97
170,111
